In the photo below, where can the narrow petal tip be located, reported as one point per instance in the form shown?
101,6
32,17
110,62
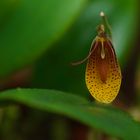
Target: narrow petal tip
102,14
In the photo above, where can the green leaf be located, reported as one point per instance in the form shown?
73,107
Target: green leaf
32,28
105,118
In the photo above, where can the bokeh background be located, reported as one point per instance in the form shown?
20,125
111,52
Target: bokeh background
38,41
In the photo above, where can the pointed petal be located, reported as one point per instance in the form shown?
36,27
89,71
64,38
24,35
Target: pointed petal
93,46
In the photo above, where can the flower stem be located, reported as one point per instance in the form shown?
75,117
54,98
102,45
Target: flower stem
106,24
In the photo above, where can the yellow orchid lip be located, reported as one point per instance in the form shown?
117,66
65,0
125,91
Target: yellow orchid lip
103,74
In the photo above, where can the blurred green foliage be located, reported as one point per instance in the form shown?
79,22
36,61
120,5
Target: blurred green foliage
46,36
32,28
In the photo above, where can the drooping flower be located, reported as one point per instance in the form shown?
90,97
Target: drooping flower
103,74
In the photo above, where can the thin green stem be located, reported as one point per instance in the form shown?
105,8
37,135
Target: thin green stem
106,24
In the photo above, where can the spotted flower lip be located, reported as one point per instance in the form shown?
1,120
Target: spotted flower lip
103,74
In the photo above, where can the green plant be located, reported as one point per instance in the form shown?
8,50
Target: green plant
38,40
